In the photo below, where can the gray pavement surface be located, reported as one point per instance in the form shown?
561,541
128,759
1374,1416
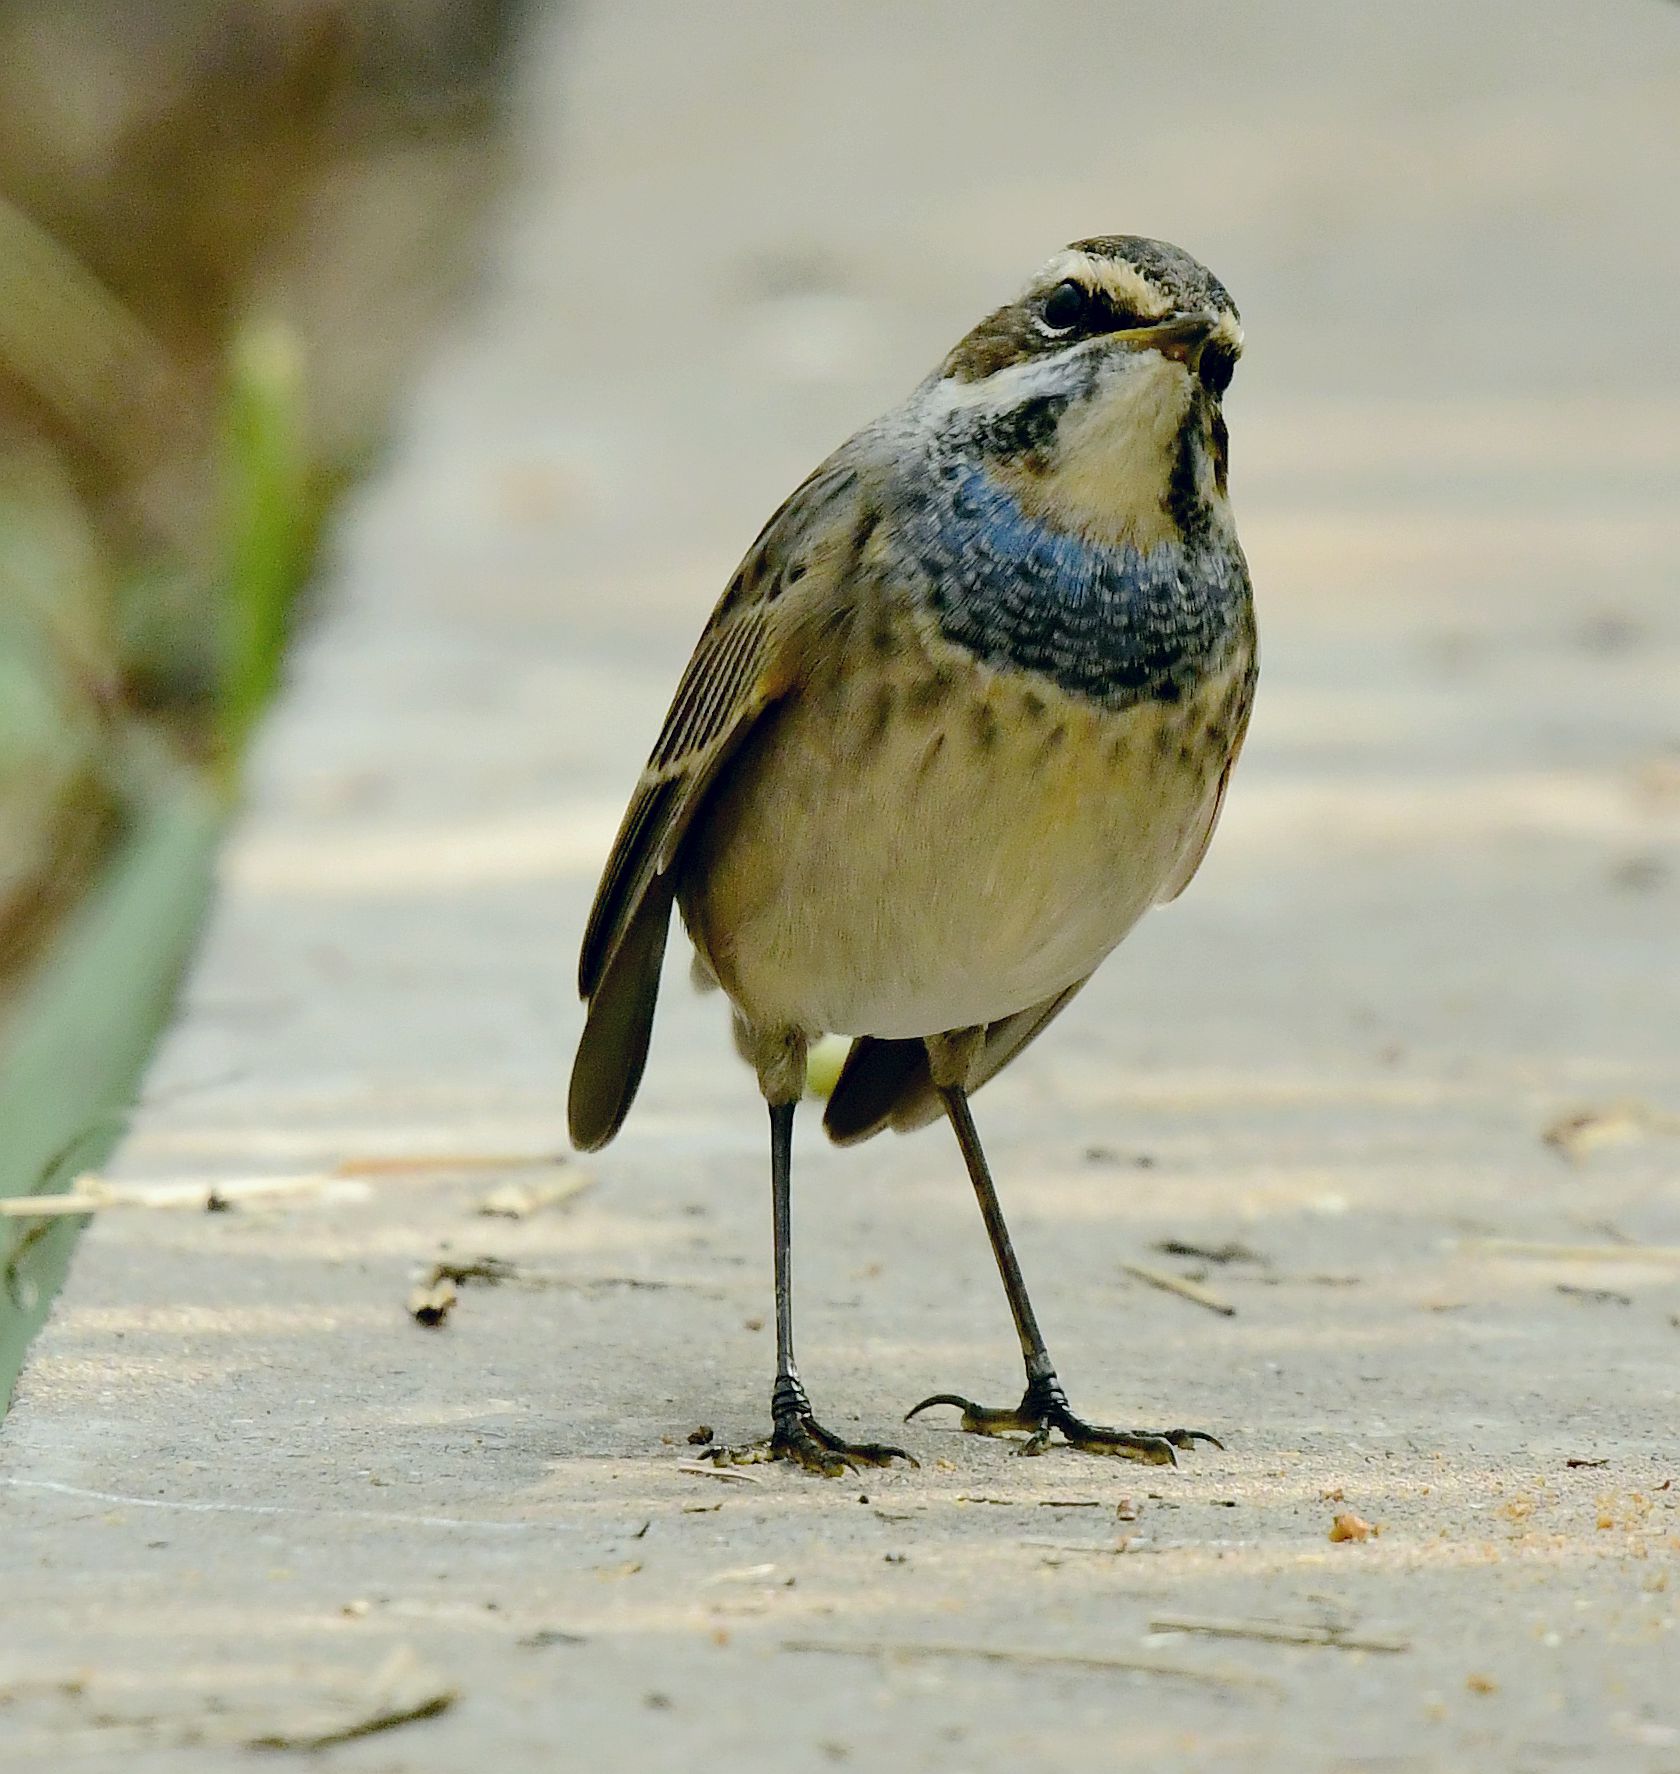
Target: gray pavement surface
1441,915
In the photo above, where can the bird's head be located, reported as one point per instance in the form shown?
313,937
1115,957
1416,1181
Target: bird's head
1095,396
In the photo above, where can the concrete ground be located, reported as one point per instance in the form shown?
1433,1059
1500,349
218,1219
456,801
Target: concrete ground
248,1498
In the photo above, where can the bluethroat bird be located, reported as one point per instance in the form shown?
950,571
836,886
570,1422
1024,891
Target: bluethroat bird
967,709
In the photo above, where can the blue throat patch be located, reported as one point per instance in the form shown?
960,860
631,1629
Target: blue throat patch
1114,624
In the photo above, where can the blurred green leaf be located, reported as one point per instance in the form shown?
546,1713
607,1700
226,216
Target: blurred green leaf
270,515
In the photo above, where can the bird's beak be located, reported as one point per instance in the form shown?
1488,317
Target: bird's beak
1180,336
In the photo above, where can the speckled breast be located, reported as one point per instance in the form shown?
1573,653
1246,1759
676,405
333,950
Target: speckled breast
1114,624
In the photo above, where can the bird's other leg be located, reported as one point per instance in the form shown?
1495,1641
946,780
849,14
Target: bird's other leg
1044,1406
795,1433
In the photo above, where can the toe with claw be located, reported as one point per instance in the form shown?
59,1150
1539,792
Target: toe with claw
1044,1408
797,1436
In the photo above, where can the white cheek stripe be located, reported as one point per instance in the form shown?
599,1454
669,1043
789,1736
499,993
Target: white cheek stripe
1003,388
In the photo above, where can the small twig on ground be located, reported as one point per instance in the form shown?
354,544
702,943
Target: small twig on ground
49,1207
518,1201
1283,1632
407,1693
1232,1251
92,1192
371,1726
1192,1291
729,1474
1109,1549
492,1271
1576,1134
1599,1296
1101,1665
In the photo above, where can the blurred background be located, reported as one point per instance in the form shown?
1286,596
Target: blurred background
721,238
224,231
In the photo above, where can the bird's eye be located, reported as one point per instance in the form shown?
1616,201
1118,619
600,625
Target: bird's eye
1064,307
1218,365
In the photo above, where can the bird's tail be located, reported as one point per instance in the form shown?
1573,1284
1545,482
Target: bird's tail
613,1050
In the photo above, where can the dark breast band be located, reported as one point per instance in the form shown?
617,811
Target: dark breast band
1114,624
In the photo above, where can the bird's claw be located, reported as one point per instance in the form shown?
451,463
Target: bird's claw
797,1436
1044,1408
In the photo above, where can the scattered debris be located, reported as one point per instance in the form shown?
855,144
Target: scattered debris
1070,1503
697,1438
544,1636
518,1201
999,1502
1108,1155
492,1271
1576,1134
1108,1549
1232,1251
1478,1683
91,1193
1599,1296
741,1574
431,1302
1333,1494
1192,1291
1283,1632
1103,1665
1319,1280
1127,1509
406,1693
1575,1465
1348,1526
729,1474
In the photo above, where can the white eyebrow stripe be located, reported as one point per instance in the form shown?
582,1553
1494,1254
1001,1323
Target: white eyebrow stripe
1123,282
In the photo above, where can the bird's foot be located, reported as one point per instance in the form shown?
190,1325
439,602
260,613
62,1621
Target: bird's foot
1044,1407
796,1435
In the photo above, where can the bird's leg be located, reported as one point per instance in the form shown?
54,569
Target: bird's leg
1044,1406
795,1433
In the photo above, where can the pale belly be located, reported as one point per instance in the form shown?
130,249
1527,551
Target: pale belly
943,856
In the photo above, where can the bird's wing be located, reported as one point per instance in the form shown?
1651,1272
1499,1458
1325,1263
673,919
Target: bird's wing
1201,833
747,658
887,1083
1201,836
